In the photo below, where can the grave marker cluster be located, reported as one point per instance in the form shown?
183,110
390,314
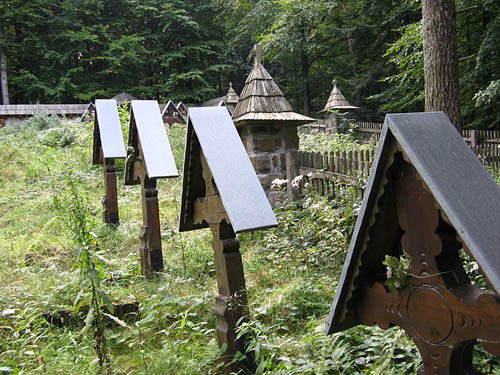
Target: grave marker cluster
220,191
413,206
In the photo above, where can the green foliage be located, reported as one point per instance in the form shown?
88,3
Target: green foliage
316,141
397,271
406,92
47,215
79,220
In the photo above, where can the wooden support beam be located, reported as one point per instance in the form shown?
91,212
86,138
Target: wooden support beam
151,249
110,198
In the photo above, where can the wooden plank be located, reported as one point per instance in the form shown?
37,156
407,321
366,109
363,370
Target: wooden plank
330,176
110,131
158,155
244,199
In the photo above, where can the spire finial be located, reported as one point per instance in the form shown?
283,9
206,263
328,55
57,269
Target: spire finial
257,52
334,82
230,85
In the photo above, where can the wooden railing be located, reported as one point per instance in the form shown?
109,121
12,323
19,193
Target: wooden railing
324,171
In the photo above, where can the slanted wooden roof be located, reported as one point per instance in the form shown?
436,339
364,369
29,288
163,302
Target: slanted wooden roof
147,129
48,109
108,135
244,200
168,108
181,108
462,188
337,101
262,99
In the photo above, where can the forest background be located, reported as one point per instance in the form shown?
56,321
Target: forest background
62,51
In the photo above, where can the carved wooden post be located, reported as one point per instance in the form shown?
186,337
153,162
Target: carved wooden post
110,198
149,158
151,250
108,146
414,205
222,192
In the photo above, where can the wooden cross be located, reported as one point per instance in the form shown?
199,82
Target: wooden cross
414,204
438,307
108,146
222,192
149,158
257,53
231,304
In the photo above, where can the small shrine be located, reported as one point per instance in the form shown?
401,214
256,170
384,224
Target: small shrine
231,99
336,102
267,125
220,191
429,207
108,146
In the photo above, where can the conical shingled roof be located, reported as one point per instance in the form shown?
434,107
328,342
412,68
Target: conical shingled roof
231,96
262,99
337,100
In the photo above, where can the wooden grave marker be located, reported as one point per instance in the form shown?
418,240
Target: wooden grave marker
108,146
182,109
429,197
222,192
149,158
171,115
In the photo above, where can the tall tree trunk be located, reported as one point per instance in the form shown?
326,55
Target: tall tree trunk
306,84
3,77
442,92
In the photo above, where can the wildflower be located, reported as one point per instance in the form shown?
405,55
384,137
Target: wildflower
297,181
278,183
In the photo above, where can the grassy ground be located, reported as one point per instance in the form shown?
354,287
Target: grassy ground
291,273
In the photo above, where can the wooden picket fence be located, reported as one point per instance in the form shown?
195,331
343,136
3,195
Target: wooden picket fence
484,143
325,171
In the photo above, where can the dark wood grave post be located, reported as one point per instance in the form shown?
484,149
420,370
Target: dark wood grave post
108,146
171,114
231,302
414,204
222,192
149,158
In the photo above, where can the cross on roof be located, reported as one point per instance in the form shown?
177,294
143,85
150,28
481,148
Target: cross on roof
257,52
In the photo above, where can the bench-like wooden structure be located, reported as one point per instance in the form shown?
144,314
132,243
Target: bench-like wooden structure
149,157
418,201
222,192
108,146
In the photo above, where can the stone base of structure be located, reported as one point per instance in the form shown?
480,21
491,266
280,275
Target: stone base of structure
267,146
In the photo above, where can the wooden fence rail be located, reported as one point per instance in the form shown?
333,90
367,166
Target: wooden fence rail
325,170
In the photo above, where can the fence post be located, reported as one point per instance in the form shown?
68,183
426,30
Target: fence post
474,137
292,171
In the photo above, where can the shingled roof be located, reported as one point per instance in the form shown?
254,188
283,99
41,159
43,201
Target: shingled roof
231,96
262,99
49,109
337,100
